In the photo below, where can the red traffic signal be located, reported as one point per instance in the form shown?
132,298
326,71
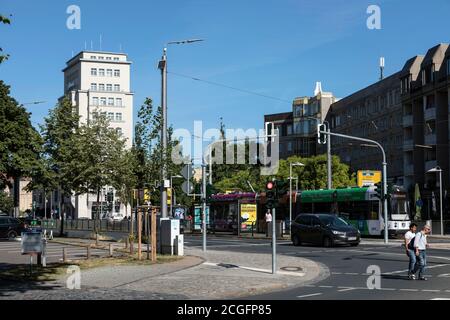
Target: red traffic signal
270,186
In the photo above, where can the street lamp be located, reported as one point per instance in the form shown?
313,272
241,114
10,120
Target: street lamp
162,65
173,192
296,164
439,170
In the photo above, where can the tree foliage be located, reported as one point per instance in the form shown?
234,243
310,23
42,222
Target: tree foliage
4,20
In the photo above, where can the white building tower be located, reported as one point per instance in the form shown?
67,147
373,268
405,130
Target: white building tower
100,82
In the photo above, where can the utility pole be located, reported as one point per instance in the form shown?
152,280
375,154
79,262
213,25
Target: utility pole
163,67
274,241
204,206
329,161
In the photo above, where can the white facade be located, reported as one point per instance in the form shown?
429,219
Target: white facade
99,82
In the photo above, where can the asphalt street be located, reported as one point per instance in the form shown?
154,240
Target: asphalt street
349,277
10,253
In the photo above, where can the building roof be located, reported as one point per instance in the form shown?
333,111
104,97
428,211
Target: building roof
279,116
435,54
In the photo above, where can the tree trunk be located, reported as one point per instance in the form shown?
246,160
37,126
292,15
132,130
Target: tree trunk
16,197
61,212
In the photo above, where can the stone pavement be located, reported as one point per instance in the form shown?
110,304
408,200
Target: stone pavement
214,275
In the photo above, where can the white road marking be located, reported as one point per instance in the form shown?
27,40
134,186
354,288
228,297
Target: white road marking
410,290
348,289
310,295
326,287
286,273
425,290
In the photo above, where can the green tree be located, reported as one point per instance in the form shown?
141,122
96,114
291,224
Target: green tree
59,134
6,202
4,20
20,143
124,180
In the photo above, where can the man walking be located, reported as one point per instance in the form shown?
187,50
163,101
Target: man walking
268,219
410,250
421,246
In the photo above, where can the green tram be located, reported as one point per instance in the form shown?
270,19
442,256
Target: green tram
361,207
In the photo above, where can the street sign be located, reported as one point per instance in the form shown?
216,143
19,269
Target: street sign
188,172
32,243
368,178
187,187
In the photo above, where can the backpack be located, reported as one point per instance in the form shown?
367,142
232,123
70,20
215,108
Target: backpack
411,243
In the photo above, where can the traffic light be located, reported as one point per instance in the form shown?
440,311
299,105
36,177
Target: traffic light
188,173
379,191
321,137
390,190
271,195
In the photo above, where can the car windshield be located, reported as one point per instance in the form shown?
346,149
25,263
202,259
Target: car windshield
333,221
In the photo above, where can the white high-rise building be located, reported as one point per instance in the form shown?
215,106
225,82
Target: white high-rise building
99,82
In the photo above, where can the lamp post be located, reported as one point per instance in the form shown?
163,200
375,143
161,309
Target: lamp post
173,192
439,170
163,67
297,164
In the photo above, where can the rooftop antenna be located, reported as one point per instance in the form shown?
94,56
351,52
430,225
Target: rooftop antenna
382,64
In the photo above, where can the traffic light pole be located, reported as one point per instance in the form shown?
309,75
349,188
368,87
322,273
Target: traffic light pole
204,206
385,205
274,242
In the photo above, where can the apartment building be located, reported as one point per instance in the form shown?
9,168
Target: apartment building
99,83
375,113
425,88
298,128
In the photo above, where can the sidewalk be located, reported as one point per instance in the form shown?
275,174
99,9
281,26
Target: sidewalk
199,276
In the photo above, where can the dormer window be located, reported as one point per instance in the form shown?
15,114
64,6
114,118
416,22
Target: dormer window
428,74
406,84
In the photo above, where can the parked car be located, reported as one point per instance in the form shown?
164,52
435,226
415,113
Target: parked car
324,229
11,228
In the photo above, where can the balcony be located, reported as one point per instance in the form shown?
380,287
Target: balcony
430,165
408,145
430,113
430,139
408,169
408,120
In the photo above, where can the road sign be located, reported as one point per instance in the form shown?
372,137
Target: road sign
188,172
32,243
368,178
187,187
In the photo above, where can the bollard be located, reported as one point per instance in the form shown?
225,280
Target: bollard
88,253
111,250
64,255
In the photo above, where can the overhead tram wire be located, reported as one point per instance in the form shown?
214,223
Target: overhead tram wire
230,87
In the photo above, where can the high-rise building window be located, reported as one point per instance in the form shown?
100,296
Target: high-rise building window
101,72
94,72
109,72
93,87
117,87
110,116
93,57
118,116
289,129
95,101
110,101
109,87
101,58
116,73
116,59
103,101
119,102
101,87
119,131
108,58
289,146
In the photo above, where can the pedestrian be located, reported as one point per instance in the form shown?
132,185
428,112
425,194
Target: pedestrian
421,246
268,219
410,250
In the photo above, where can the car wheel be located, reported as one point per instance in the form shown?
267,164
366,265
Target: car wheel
296,240
355,244
327,242
12,235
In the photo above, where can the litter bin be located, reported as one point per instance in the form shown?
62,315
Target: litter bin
278,229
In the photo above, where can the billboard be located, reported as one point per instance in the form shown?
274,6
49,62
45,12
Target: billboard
368,178
248,216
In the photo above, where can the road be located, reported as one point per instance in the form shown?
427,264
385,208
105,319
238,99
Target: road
348,268
10,253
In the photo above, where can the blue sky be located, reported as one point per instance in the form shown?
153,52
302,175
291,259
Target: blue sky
277,48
